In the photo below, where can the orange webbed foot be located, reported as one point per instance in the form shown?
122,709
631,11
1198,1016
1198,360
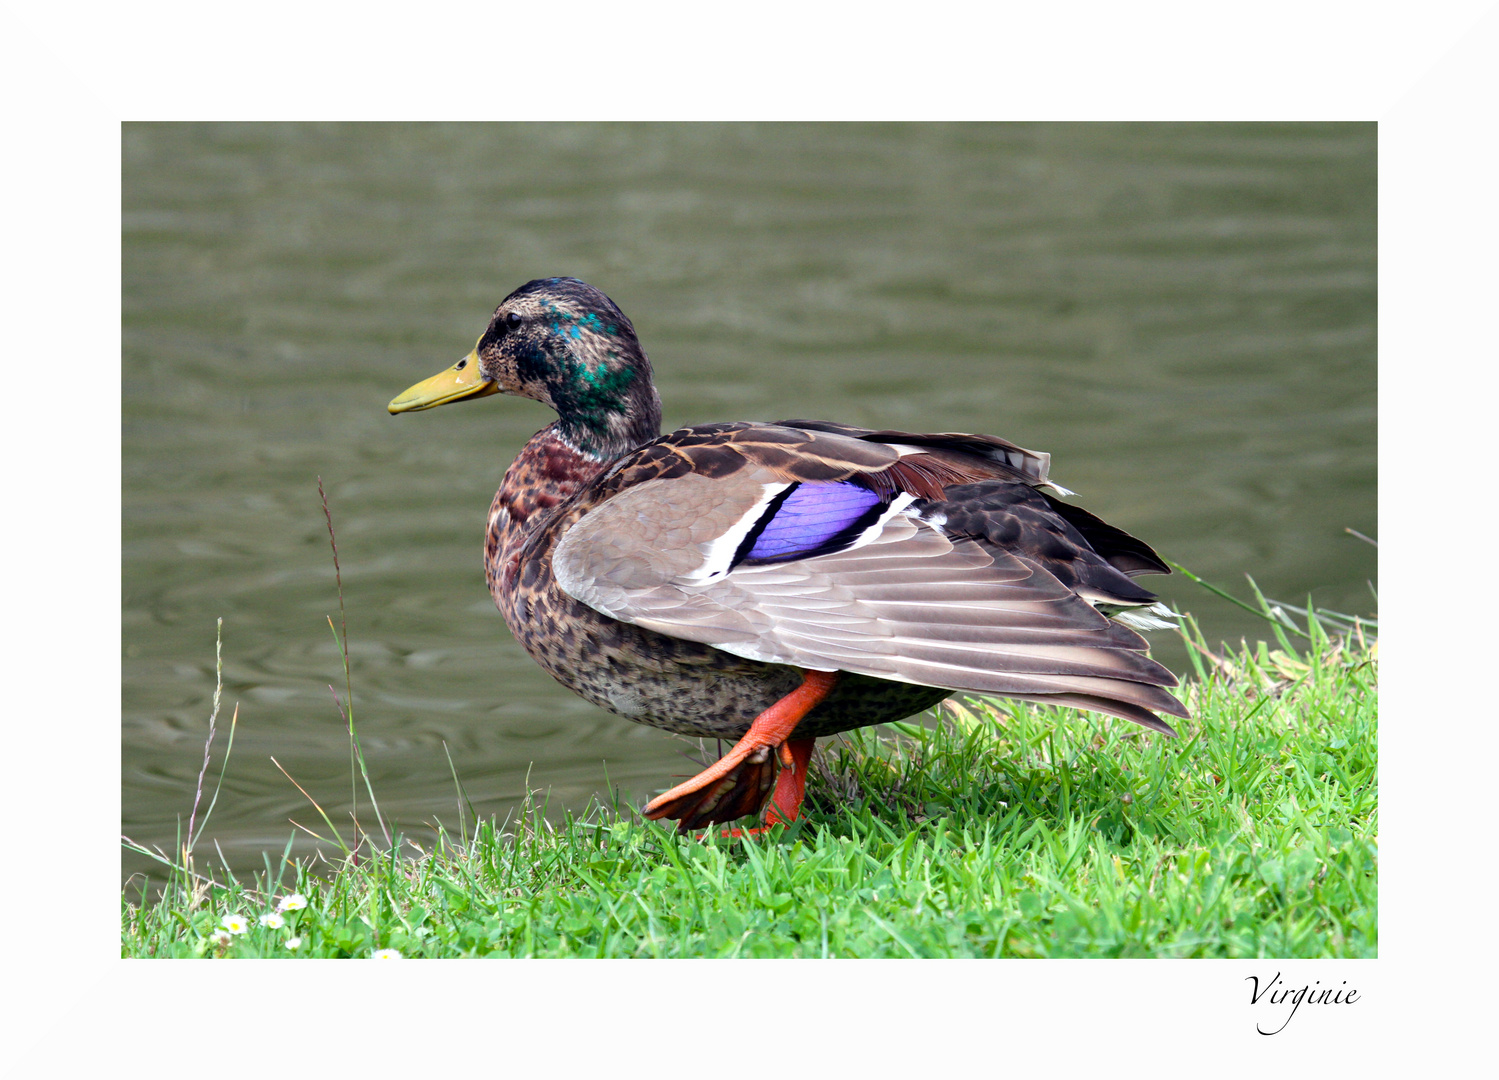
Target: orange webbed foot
738,783
791,785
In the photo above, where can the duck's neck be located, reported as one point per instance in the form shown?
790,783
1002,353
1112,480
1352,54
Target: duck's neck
548,469
606,409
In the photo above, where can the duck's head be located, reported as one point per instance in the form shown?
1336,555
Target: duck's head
563,343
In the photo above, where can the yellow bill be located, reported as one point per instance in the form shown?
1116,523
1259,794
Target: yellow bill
462,380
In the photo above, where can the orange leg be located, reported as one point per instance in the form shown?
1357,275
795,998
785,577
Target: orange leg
738,782
791,785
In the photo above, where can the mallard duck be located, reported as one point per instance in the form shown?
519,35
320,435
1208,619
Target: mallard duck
775,583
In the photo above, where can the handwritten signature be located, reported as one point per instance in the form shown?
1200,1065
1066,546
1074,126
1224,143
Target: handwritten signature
1304,995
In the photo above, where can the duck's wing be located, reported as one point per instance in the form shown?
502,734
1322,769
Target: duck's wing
835,551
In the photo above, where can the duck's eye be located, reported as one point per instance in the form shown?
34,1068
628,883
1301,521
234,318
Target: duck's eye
513,319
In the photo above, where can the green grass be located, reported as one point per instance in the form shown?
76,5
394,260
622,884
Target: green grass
994,830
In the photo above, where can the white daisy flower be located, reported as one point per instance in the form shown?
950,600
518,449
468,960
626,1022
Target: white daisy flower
272,921
235,924
293,943
295,902
387,954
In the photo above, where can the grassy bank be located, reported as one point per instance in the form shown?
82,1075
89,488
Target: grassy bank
998,830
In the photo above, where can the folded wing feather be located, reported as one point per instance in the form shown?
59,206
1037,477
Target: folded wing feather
902,600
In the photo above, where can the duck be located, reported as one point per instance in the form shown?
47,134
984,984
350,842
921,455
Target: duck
777,583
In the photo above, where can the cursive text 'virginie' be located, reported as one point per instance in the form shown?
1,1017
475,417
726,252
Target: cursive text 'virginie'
1305,995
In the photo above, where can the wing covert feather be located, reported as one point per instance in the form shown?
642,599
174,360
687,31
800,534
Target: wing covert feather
911,604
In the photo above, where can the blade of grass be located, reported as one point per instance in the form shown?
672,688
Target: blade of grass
462,793
1326,614
309,832
159,856
319,809
1277,618
1216,591
356,751
193,838
218,690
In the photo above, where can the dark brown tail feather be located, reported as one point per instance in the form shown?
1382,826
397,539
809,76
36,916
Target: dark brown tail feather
1110,707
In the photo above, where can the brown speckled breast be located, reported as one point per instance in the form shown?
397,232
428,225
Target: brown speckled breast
647,677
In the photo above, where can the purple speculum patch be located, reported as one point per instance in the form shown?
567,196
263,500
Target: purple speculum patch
813,518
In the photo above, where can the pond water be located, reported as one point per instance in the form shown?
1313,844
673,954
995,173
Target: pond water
1182,315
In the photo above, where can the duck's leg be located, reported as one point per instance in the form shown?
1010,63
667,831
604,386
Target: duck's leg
738,782
791,784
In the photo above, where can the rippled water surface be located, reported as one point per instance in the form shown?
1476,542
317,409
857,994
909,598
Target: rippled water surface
1184,316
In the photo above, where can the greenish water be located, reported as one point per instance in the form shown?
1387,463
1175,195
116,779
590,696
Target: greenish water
1183,316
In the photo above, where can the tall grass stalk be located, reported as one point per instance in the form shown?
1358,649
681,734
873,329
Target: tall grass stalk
356,751
181,872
